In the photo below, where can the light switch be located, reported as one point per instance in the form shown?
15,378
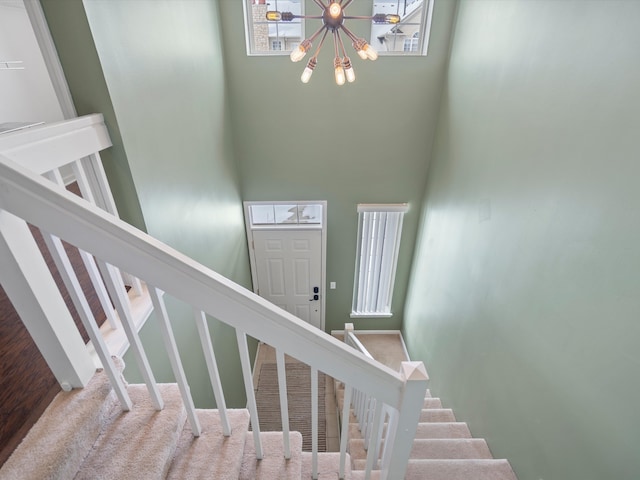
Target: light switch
332,285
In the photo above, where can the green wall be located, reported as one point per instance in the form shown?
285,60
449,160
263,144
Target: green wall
77,52
360,143
524,301
163,67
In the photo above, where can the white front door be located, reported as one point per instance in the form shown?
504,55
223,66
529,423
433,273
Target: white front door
289,271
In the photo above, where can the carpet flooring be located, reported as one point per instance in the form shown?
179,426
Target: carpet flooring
299,399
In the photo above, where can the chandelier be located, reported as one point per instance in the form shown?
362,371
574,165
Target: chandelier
333,17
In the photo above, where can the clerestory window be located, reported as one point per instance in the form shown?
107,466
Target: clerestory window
272,38
409,37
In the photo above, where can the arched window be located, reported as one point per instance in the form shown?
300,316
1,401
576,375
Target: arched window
411,44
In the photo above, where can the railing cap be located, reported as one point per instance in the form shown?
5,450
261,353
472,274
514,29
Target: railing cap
413,371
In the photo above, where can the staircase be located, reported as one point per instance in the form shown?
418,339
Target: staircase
443,448
84,434
106,429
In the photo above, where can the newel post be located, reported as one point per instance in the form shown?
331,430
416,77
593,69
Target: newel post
348,327
404,423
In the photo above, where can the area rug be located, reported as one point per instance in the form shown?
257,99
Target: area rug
299,399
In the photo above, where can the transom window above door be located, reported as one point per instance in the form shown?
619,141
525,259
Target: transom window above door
285,214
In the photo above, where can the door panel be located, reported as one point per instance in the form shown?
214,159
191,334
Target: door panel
275,277
288,267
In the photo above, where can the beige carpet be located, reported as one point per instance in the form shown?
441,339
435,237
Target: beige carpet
273,465
55,449
299,398
212,455
384,347
137,444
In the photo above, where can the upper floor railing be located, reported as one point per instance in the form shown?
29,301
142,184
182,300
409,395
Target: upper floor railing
28,194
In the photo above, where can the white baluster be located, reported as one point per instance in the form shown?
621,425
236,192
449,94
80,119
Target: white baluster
371,450
284,402
212,367
248,386
61,259
378,438
344,435
314,423
364,412
119,295
87,192
174,358
369,419
91,267
388,438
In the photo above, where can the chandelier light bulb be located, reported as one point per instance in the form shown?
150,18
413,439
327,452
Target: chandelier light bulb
274,16
371,52
339,71
359,45
300,51
392,19
348,70
335,9
308,71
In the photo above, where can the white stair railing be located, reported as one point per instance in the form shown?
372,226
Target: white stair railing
372,416
115,244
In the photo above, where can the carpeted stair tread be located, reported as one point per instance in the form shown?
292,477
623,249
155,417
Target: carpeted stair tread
211,455
459,470
432,403
437,415
137,444
359,475
430,449
450,448
450,470
328,466
273,464
443,430
55,449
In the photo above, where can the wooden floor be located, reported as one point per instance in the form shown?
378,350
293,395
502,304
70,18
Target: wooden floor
27,385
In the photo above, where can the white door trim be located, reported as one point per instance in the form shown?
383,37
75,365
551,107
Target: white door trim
323,227
51,59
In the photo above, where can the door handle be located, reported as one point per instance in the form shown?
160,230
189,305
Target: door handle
315,297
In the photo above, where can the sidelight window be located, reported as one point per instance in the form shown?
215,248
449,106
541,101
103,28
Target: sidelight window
379,232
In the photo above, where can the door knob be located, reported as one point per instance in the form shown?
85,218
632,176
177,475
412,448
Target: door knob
315,297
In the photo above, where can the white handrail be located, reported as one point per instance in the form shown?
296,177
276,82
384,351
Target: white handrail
118,243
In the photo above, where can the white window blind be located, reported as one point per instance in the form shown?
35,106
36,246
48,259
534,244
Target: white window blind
379,232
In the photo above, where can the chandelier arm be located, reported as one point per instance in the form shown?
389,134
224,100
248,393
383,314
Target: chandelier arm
344,51
315,35
358,17
320,4
289,17
349,33
346,4
326,30
336,42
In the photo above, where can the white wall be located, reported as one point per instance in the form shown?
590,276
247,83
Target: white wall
25,95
